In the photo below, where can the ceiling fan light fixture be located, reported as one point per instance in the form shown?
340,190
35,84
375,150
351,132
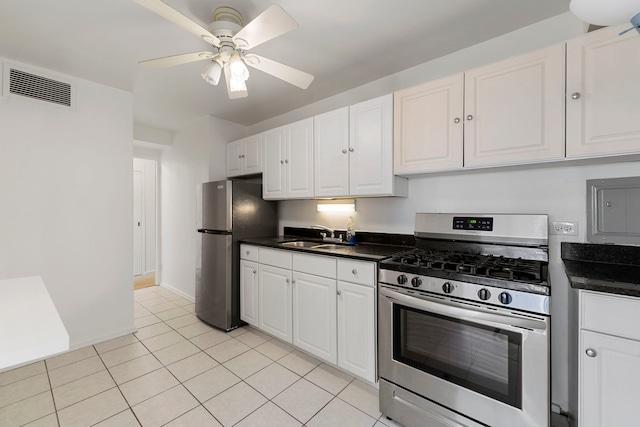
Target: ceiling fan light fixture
610,12
238,68
237,85
211,73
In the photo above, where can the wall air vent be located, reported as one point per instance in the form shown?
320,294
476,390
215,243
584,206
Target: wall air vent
37,86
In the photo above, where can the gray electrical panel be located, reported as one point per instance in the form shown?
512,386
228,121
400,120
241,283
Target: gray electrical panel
613,210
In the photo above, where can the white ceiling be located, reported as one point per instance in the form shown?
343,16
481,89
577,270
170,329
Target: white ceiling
343,43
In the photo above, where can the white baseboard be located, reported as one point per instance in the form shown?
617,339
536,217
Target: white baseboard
76,346
177,291
107,337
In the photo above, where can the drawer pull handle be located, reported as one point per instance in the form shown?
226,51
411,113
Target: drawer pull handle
354,271
248,252
254,272
339,292
591,352
287,280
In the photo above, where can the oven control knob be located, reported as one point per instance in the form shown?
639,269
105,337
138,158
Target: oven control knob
416,282
402,279
484,294
505,298
447,288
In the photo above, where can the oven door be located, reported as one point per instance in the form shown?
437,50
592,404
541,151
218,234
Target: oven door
490,364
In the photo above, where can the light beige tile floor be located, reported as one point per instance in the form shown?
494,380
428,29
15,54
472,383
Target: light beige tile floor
178,371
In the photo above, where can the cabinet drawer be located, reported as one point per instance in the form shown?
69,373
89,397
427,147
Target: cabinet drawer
275,257
610,314
249,252
361,272
317,265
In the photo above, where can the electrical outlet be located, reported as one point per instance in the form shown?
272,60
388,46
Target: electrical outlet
565,228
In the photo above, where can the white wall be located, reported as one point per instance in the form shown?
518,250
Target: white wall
66,205
196,155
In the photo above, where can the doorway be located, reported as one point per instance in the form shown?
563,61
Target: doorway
144,222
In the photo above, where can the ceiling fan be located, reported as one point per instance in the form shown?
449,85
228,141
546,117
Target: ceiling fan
230,42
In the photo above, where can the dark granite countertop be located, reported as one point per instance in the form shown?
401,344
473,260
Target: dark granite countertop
368,247
604,268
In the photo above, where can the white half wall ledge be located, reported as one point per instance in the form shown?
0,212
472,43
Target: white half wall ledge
31,326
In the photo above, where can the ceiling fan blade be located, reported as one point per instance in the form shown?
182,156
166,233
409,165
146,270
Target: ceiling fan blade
227,78
170,61
167,12
281,71
271,23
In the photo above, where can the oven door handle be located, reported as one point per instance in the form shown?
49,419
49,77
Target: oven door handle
475,314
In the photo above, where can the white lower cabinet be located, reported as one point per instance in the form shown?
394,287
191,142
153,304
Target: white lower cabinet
357,329
275,302
323,305
314,315
249,292
609,360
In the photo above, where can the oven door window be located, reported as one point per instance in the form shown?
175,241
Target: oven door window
484,359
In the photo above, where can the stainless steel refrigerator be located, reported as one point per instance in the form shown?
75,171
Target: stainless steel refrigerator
228,212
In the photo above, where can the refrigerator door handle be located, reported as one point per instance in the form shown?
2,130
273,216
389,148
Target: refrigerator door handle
203,230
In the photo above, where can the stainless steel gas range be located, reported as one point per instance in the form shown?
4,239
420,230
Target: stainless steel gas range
464,323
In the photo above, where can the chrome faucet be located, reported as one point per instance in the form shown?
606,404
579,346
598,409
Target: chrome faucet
332,237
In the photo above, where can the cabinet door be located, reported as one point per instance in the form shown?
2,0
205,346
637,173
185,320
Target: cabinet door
274,310
273,184
252,155
371,147
299,159
514,110
331,153
357,330
603,112
249,288
234,158
314,315
427,126
609,380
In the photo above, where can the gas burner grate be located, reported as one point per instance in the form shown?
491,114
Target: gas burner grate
499,267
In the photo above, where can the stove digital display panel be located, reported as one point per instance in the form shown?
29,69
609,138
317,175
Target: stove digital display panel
472,223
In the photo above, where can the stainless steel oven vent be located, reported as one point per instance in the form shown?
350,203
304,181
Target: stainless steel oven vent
38,87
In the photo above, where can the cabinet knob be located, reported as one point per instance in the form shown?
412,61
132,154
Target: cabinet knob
354,271
456,120
239,156
286,160
288,281
293,281
351,149
575,95
591,352
254,272
247,252
344,151
339,292
469,117
282,162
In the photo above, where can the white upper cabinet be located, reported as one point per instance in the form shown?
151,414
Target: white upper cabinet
244,157
288,161
371,150
299,159
603,111
514,110
428,126
353,151
331,153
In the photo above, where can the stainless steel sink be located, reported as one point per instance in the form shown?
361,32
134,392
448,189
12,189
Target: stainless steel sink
328,247
300,244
